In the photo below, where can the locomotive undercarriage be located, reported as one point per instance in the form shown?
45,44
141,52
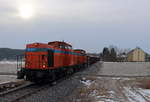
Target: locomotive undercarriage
37,75
48,75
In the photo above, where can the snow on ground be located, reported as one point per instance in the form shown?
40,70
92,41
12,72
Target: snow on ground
8,62
133,96
108,98
116,78
86,82
145,93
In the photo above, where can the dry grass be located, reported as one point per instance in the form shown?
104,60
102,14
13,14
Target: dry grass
145,83
87,93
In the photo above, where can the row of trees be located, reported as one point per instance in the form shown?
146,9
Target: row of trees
10,54
109,54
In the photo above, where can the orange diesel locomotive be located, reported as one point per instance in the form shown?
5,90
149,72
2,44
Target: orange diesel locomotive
50,61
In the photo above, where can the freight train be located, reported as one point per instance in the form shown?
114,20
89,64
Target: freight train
50,61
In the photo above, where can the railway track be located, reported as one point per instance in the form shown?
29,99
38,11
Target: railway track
21,93
29,91
12,95
8,86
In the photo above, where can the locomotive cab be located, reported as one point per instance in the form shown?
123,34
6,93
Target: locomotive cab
37,60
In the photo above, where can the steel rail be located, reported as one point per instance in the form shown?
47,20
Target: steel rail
2,94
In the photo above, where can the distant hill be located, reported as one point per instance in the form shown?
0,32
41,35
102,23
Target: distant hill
9,54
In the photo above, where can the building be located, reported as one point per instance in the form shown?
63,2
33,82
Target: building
136,55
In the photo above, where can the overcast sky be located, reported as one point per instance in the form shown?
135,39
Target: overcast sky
87,24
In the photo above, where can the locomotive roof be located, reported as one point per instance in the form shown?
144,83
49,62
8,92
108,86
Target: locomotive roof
81,50
59,43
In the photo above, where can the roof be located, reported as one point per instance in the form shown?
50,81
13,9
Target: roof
137,48
80,50
59,43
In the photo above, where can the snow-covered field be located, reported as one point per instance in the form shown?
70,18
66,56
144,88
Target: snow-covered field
8,67
125,68
8,62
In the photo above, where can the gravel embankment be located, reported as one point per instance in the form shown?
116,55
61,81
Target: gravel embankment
55,93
